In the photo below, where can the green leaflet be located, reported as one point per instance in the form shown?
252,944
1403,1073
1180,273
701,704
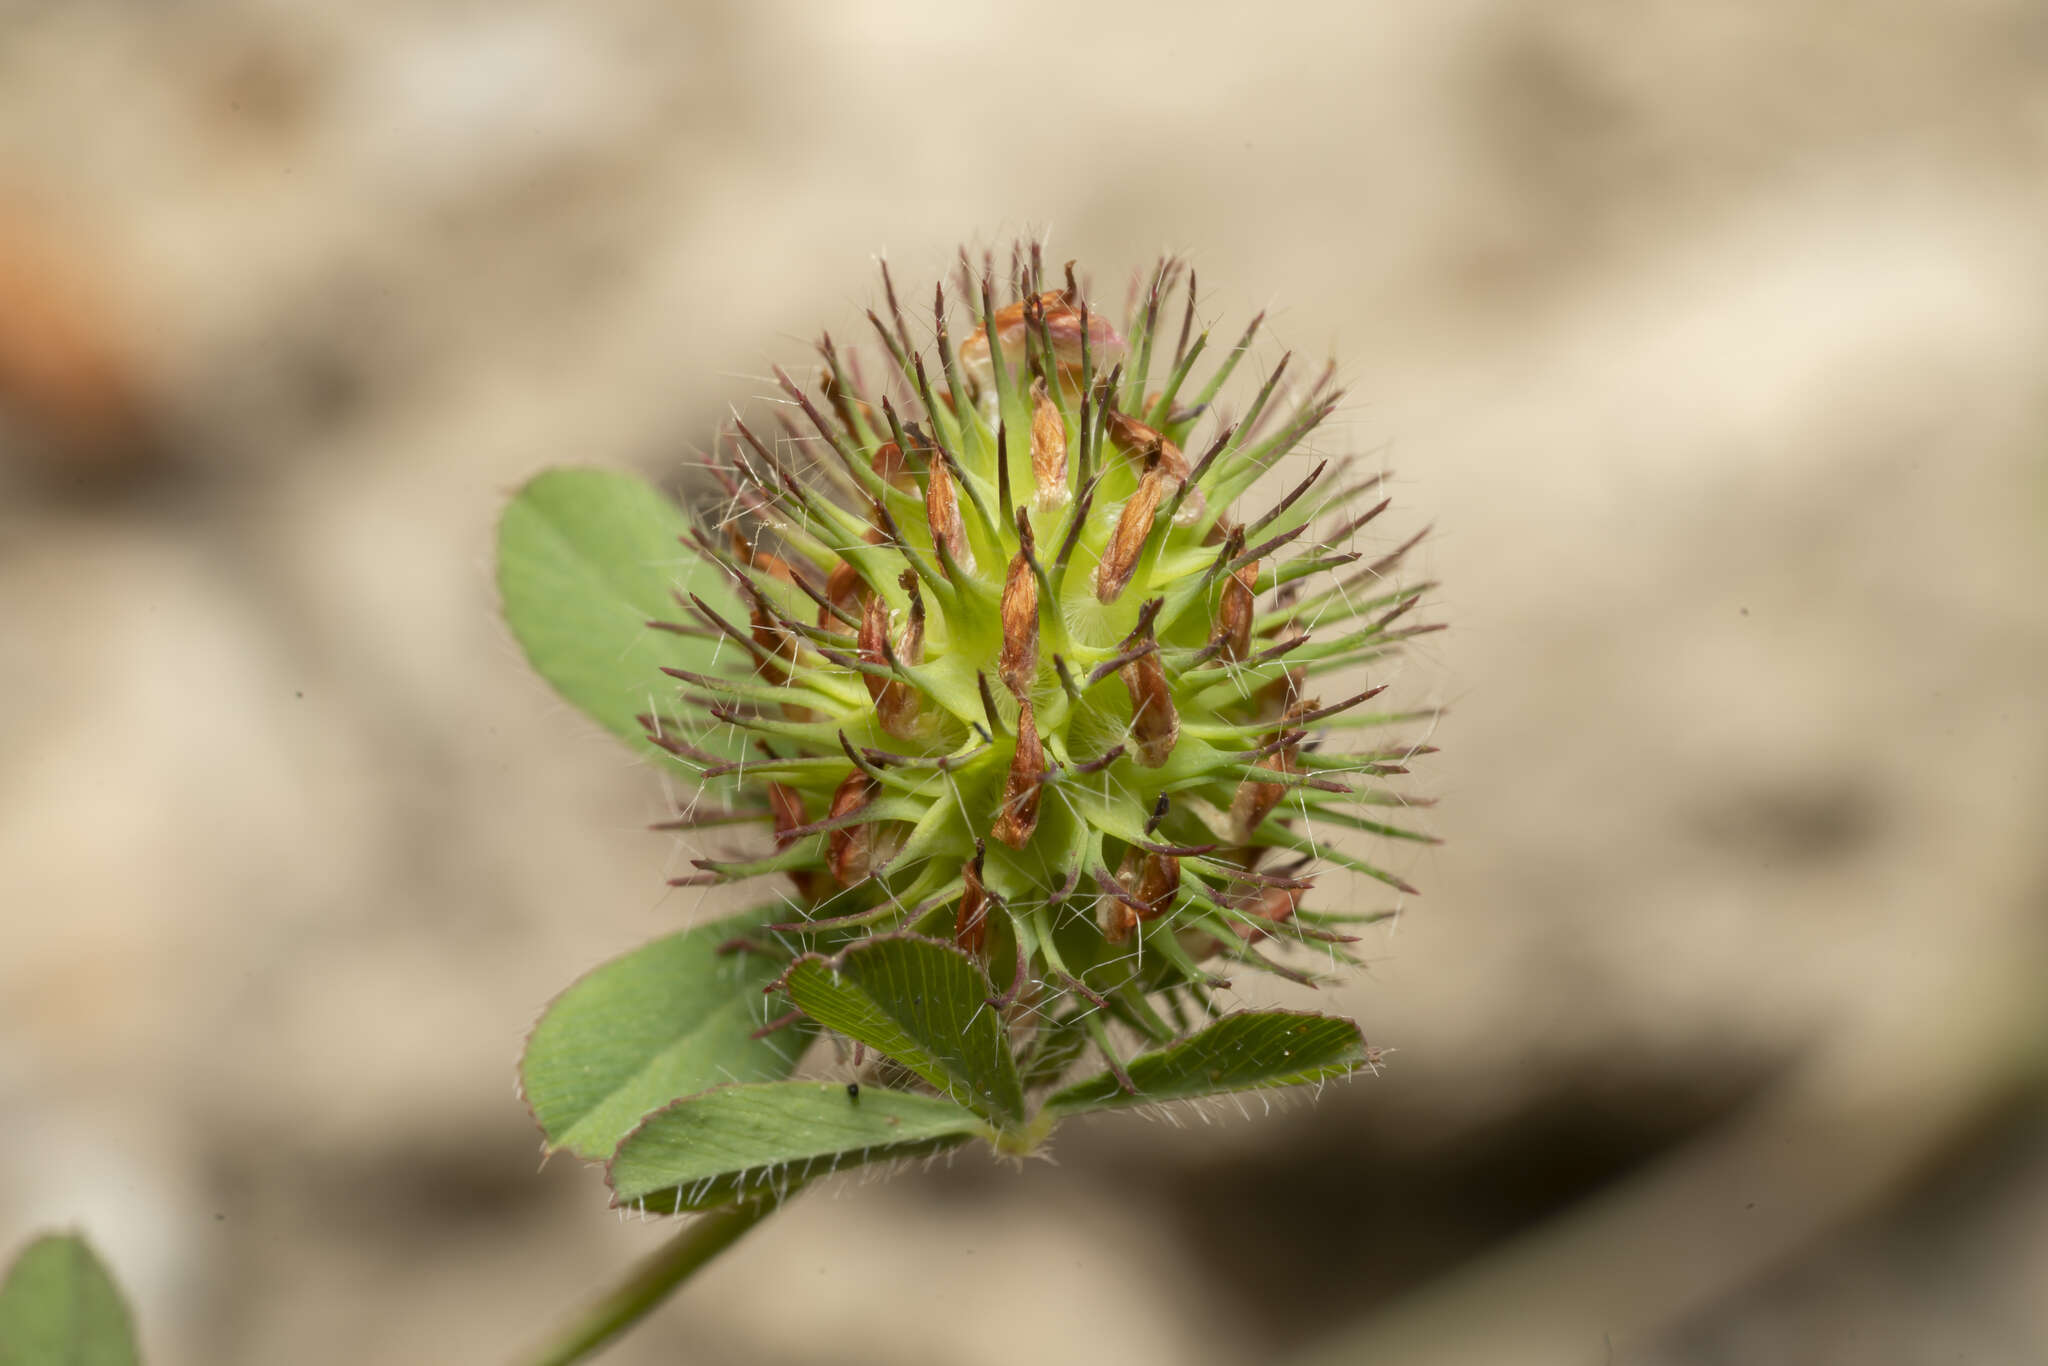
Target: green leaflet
586,558
710,1149
59,1307
923,1003
670,1018
1059,1045
1241,1052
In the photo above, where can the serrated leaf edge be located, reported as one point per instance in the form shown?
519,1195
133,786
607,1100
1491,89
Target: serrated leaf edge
1051,1111
982,1130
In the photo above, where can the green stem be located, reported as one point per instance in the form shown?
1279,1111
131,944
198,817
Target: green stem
654,1279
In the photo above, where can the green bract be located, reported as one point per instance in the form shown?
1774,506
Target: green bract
1027,713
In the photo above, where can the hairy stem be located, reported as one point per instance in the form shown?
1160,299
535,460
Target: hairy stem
655,1278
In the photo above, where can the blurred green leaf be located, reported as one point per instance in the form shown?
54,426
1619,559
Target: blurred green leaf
59,1307
666,1020
1242,1052
708,1150
923,1003
586,558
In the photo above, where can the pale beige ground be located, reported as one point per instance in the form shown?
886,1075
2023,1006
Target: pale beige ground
1709,336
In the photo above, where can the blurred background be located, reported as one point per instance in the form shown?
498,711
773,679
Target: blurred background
1710,337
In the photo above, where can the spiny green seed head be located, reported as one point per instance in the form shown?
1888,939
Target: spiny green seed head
1017,670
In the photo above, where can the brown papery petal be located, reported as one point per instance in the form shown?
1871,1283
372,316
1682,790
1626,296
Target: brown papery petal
772,565
975,356
898,708
1062,327
1134,438
1145,445
888,462
910,649
900,699
780,644
1274,904
942,509
1018,663
1048,448
777,644
787,806
768,634
896,702
1254,801
1117,919
849,850
1150,448
874,629
1234,613
1115,914
842,589
1120,559
1158,884
970,924
1155,726
1017,817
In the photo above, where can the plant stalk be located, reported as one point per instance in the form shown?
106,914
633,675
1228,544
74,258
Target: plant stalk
655,1279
